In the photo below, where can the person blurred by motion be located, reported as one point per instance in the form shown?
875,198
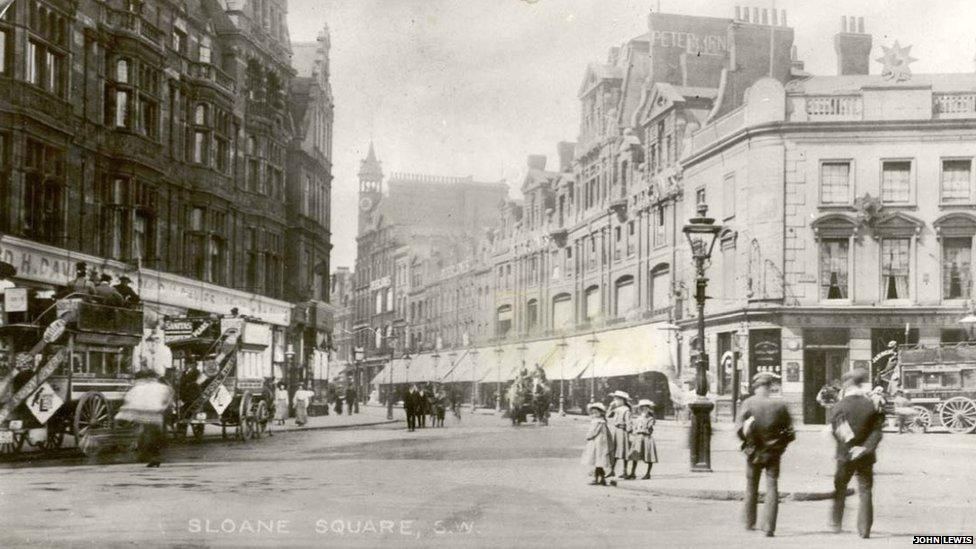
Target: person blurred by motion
766,428
303,397
856,424
145,404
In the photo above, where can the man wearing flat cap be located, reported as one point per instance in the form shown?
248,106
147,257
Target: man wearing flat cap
856,423
766,428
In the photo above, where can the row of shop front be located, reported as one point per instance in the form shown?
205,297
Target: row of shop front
297,333
807,347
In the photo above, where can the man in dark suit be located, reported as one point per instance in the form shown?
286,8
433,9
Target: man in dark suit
856,424
351,402
410,403
766,428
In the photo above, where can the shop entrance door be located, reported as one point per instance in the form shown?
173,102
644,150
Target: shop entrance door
819,367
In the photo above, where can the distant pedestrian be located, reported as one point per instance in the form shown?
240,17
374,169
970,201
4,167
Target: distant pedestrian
766,428
303,397
145,404
338,403
281,404
904,411
619,421
411,404
81,284
857,424
440,407
596,454
351,403
642,447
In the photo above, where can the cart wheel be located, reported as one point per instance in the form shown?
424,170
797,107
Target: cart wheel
92,413
14,446
245,418
922,420
958,415
261,417
198,429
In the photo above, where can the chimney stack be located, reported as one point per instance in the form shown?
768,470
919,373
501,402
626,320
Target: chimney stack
537,162
853,46
566,153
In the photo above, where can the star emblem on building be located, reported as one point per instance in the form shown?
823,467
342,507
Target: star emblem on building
895,61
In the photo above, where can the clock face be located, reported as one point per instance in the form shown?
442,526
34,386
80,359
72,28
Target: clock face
365,203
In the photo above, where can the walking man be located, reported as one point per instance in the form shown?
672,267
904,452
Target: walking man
765,427
351,400
410,404
856,424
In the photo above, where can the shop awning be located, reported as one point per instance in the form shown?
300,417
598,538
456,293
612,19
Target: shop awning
630,351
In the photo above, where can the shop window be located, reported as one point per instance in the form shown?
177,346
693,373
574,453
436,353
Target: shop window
895,268
835,182
896,186
957,265
834,265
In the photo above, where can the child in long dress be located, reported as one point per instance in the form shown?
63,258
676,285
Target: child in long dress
596,454
642,447
619,420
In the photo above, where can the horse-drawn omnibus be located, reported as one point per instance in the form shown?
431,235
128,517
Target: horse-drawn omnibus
940,381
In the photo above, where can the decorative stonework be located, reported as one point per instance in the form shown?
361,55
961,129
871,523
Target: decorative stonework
895,63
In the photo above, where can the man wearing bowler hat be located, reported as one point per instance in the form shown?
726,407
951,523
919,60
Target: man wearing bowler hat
128,294
765,427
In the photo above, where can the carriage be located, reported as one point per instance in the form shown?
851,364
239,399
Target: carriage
221,372
74,360
940,381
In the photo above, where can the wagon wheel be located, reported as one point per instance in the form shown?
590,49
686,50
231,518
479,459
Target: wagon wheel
922,420
958,415
261,419
14,446
245,418
92,412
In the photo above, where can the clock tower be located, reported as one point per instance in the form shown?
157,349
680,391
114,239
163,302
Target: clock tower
370,186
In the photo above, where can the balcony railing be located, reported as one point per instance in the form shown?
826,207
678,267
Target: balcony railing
834,107
954,105
210,73
134,24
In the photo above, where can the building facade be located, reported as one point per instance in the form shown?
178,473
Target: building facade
151,138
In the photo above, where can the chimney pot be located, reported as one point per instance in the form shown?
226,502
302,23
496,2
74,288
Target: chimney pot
843,23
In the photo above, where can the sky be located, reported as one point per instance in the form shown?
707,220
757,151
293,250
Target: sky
472,87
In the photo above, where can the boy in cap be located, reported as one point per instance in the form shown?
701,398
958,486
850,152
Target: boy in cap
596,453
619,420
857,425
766,428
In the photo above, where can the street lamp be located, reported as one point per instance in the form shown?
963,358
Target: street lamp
290,366
593,342
701,232
498,387
391,341
474,379
562,375
433,375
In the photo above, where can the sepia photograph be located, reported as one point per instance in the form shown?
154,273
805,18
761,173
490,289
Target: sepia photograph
487,273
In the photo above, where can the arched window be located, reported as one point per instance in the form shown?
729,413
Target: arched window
532,314
592,303
562,312
660,288
624,295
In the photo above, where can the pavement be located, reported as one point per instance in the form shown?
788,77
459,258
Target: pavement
479,482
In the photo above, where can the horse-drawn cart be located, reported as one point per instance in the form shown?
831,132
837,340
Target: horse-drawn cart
221,370
941,384
74,365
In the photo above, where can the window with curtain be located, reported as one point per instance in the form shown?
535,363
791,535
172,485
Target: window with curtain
896,183
835,182
894,268
834,268
957,181
957,262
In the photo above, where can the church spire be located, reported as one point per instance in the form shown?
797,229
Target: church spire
370,169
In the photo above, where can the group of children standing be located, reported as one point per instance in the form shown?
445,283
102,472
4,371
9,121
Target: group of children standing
620,435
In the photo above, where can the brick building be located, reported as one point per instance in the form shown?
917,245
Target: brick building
152,138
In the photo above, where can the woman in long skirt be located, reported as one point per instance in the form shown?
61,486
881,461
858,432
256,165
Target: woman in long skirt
281,404
302,399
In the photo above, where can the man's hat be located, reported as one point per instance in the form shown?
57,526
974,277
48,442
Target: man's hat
597,406
645,402
764,378
621,394
125,279
105,278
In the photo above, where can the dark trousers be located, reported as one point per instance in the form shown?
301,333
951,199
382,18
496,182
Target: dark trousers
411,420
771,506
864,469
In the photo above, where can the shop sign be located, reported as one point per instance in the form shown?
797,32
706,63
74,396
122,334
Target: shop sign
55,330
178,329
793,372
220,399
379,283
257,334
15,300
764,352
690,42
44,402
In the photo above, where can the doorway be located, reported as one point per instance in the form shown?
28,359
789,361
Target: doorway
819,367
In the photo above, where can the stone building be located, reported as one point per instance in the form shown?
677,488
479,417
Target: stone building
151,138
